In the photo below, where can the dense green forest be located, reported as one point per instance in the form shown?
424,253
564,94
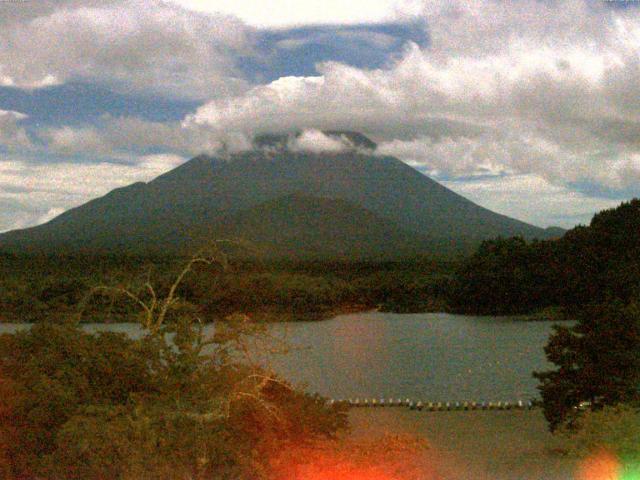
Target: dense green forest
597,361
591,276
591,396
552,278
37,287
235,418
591,264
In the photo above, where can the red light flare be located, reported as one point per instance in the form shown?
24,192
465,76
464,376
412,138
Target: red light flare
342,472
388,457
603,465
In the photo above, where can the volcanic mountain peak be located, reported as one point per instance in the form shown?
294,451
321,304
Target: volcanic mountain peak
364,195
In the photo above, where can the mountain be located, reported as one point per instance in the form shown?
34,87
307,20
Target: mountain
301,226
382,202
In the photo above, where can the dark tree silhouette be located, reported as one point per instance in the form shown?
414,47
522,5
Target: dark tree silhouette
598,362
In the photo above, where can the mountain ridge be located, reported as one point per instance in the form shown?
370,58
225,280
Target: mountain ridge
185,204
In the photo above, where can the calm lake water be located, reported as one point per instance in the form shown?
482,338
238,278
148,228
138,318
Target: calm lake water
433,357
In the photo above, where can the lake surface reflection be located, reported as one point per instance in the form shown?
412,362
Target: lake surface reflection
433,357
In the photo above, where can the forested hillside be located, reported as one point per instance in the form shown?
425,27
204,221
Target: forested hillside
588,265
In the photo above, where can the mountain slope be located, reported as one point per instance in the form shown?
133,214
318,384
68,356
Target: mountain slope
301,226
189,202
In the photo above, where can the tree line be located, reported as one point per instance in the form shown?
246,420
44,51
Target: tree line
591,275
37,287
589,265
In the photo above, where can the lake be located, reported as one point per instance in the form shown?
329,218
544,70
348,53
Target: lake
430,356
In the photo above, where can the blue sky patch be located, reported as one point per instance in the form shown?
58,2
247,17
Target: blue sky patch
296,52
83,103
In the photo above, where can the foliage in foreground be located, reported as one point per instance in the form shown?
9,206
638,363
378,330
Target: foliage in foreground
597,360
606,442
172,404
76,406
614,429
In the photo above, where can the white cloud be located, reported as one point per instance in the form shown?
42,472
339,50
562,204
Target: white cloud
292,13
69,140
130,134
53,188
12,135
49,215
315,141
514,153
525,90
532,199
545,88
147,46
462,156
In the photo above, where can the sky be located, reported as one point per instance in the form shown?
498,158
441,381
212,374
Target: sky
530,108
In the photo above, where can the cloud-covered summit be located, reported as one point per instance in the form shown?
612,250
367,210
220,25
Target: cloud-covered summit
314,141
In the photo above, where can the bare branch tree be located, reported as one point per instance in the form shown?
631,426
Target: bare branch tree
235,332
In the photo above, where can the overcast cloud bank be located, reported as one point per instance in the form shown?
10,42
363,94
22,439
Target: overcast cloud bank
530,108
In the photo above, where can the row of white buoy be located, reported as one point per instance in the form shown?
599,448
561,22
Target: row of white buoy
434,406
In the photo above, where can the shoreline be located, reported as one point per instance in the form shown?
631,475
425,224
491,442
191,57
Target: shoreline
267,316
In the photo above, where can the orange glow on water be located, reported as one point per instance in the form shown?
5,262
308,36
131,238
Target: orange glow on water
602,466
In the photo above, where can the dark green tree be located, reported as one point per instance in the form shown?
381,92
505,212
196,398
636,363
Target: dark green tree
597,360
506,276
598,263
